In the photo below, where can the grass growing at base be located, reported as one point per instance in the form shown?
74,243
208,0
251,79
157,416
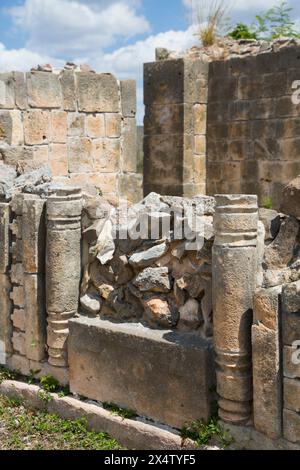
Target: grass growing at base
122,412
204,433
22,429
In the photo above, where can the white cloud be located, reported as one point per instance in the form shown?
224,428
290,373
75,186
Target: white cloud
66,27
23,59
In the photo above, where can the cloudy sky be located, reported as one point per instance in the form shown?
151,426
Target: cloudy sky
111,35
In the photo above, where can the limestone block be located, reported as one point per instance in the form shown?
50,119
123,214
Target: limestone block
291,426
15,155
128,97
76,125
11,128
113,125
17,204
7,95
106,155
58,159
291,298
34,287
266,307
44,90
37,128
67,80
34,235
16,227
97,93
17,273
95,126
291,362
131,366
20,90
4,237
292,394
280,252
200,118
271,221
17,296
18,340
18,319
291,198
59,126
267,394
105,182
200,145
131,186
129,145
5,319
290,328
80,155
164,82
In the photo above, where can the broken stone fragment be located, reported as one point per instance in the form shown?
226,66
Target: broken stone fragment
271,220
91,303
190,315
158,312
291,198
153,280
281,251
105,290
146,258
92,233
121,269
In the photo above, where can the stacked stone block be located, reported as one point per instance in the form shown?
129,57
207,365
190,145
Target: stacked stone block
81,124
175,96
252,131
5,302
291,361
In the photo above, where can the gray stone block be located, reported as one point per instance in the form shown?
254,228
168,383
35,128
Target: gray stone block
44,90
67,80
97,93
164,375
7,95
128,97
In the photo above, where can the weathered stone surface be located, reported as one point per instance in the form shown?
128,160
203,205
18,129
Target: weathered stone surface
290,328
44,90
291,198
95,126
267,387
18,340
35,339
153,279
18,319
80,155
128,97
97,93
291,426
67,80
7,96
190,315
115,357
4,236
58,159
280,252
59,125
129,145
17,296
76,125
5,319
292,394
34,234
36,127
291,298
91,303
267,306
146,258
291,362
113,123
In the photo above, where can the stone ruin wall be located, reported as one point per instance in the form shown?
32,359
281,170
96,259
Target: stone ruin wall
79,123
223,126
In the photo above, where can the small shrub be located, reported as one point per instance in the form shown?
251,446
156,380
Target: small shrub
202,433
267,203
241,31
49,384
6,374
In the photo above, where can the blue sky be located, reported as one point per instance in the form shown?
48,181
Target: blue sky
115,36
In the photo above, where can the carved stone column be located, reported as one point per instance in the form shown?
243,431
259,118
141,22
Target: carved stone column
234,282
63,269
5,302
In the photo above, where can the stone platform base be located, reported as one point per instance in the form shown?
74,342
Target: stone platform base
163,375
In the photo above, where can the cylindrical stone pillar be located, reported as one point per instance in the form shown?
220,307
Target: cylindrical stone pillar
234,282
63,269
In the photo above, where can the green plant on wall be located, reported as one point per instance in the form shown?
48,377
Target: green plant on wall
242,31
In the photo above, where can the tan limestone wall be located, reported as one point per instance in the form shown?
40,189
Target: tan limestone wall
81,124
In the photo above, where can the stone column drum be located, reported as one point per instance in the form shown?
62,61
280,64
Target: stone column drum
63,269
5,302
234,271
